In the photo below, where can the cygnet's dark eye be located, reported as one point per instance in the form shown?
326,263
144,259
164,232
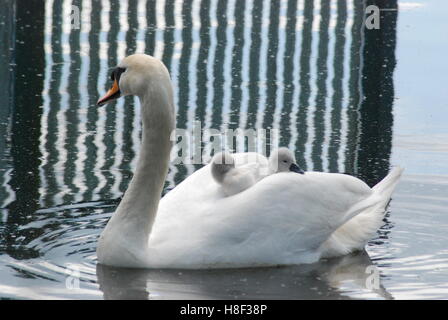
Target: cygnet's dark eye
285,161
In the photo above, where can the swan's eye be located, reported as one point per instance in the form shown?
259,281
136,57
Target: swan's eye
285,161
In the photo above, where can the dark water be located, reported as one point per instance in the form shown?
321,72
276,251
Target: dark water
344,98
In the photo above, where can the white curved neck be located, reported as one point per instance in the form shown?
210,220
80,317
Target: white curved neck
135,215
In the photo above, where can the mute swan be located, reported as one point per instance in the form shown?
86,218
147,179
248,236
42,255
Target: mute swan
282,219
234,179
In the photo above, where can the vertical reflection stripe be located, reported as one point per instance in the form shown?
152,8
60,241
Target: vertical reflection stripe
63,106
140,48
280,56
347,98
160,18
192,78
245,64
101,88
228,57
321,89
120,105
43,190
357,123
210,76
330,89
312,83
296,73
175,60
84,101
263,76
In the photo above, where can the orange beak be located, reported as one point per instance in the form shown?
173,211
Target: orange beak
112,94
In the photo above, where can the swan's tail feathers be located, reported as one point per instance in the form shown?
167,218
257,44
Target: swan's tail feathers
385,187
383,191
354,234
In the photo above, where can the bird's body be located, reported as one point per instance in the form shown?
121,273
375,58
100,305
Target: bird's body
284,218
238,172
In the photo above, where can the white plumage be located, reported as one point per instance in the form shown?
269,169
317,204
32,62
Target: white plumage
236,173
284,218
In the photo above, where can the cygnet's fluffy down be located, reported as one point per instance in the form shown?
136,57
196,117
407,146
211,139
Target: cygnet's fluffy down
235,179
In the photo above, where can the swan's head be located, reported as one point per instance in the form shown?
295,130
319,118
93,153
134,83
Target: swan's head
221,164
283,160
133,76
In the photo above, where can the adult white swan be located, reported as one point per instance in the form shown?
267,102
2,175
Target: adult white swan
285,218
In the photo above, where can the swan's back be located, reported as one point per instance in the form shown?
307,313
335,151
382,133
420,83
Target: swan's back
282,219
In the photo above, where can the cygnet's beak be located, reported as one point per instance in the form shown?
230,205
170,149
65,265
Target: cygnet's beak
295,168
112,94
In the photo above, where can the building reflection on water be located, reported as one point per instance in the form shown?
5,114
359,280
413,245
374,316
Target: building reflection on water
308,68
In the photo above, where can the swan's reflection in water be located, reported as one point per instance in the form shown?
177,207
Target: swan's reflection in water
339,278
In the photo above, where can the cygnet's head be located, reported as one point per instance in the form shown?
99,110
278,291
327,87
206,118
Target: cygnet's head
133,75
221,164
283,160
